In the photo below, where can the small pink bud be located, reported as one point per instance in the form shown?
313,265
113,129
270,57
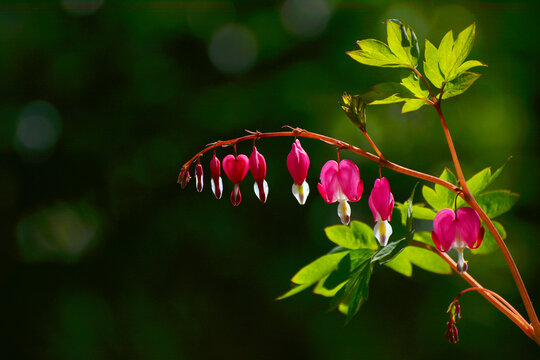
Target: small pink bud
257,166
199,177
381,203
458,230
236,169
298,165
215,172
451,332
341,182
183,178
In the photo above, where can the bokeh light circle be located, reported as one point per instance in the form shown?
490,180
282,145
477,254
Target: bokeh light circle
233,49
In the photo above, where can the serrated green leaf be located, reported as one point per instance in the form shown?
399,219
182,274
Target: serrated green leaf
446,54
489,244
363,235
295,290
462,48
460,84
440,197
321,289
358,290
468,65
497,202
390,251
431,65
401,265
318,269
347,266
402,42
387,93
375,53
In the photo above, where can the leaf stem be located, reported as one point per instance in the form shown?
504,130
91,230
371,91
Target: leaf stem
469,198
502,306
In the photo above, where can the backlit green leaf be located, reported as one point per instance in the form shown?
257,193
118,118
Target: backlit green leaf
446,54
363,235
489,244
497,202
402,41
318,269
441,197
376,53
426,260
412,105
462,47
387,93
460,84
347,266
355,236
468,65
412,83
431,65
295,290
401,265
321,289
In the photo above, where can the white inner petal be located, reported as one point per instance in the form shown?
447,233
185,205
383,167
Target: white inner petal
344,212
265,189
301,192
382,231
220,186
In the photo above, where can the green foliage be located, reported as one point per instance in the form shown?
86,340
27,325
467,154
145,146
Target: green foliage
440,197
355,236
445,66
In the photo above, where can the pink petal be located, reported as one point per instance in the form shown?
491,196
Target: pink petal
329,181
468,225
349,180
298,163
236,195
257,165
215,167
236,168
444,228
322,191
381,199
199,177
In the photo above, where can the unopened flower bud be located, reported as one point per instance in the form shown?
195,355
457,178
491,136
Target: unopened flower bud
199,177
298,165
355,109
215,172
257,165
451,332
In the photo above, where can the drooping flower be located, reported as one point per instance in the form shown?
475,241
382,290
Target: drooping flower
257,166
236,168
298,165
199,177
215,172
341,182
458,230
381,203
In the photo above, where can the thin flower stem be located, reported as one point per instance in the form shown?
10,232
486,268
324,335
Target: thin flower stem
469,198
379,153
503,307
482,289
297,132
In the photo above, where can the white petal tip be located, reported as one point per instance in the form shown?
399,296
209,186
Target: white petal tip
382,231
301,192
344,212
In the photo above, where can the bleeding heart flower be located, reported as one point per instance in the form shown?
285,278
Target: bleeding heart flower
199,177
458,230
236,169
298,165
381,203
341,182
183,178
257,165
215,172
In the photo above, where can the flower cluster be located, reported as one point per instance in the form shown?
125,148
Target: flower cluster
339,182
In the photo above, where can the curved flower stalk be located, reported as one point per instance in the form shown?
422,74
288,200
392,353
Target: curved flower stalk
381,203
236,168
257,166
298,165
458,230
215,172
341,182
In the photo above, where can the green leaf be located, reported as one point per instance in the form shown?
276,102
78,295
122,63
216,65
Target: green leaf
441,197
359,290
497,202
401,265
321,289
390,251
431,65
489,244
412,105
412,83
419,212
426,260
387,93
318,269
460,84
402,42
468,65
363,234
375,53
498,172
295,290
356,236
462,48
446,54
347,266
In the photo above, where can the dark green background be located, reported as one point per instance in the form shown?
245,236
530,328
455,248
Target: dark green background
102,256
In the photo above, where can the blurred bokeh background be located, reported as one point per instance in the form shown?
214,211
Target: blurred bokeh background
102,256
